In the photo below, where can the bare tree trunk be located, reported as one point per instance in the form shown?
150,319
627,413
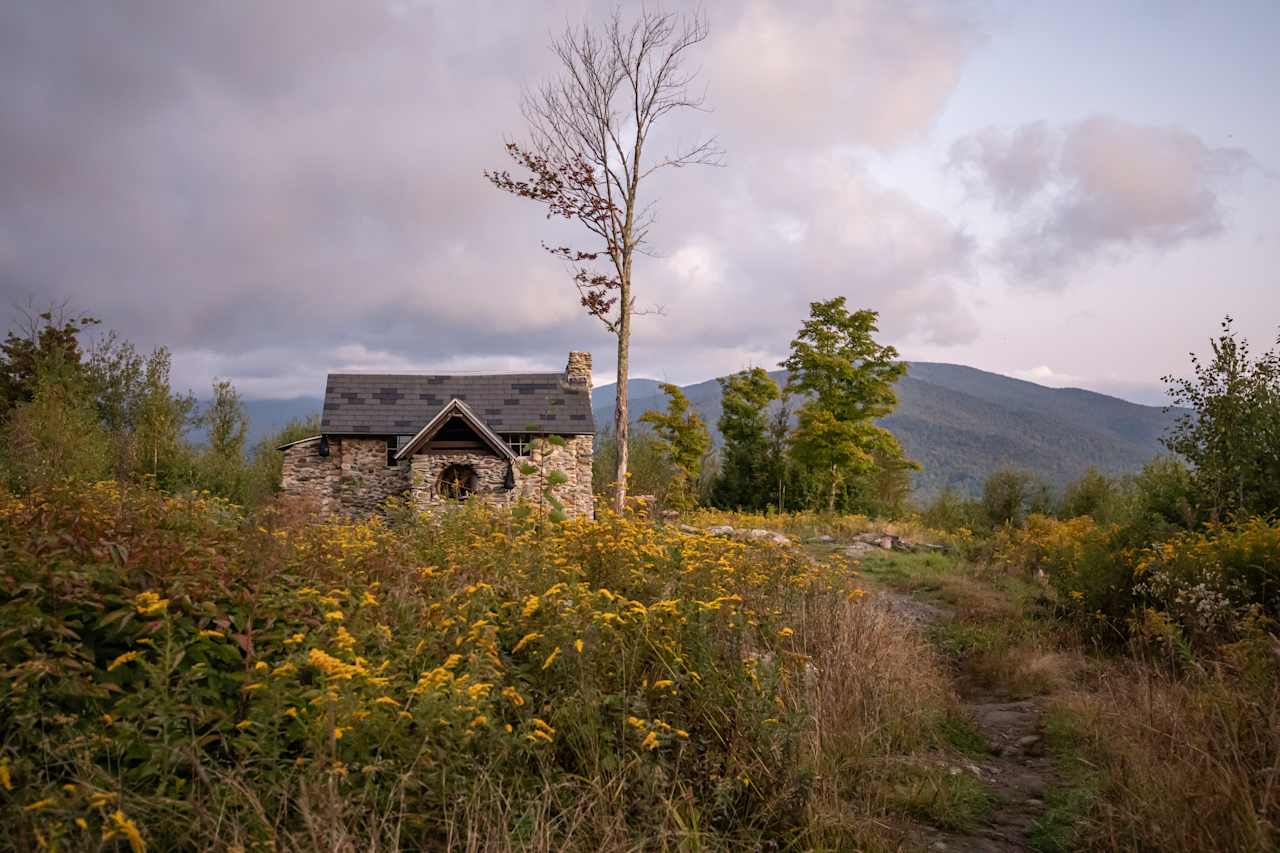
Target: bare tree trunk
621,416
831,496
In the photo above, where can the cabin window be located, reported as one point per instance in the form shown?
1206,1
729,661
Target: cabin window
519,442
395,444
457,482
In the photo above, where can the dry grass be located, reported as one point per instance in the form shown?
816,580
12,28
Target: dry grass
1190,763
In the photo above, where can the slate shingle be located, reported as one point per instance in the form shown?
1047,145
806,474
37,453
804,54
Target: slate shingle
383,404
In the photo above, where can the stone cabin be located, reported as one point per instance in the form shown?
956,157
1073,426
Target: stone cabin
441,439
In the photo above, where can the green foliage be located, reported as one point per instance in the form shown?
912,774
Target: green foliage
1232,436
749,461
1093,494
263,470
849,379
1009,494
950,512
650,471
54,436
47,350
682,437
221,467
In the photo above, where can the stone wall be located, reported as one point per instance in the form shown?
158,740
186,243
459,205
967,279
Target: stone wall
353,479
574,459
490,470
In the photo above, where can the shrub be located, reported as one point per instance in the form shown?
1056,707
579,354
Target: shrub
1209,580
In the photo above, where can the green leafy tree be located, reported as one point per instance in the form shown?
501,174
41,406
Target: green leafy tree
650,471
161,420
1232,434
849,379
1009,494
745,480
1093,494
55,435
783,476
223,464
682,436
47,350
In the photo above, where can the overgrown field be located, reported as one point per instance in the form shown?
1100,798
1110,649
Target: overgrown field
174,674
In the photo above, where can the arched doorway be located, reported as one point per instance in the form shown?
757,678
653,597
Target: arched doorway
457,482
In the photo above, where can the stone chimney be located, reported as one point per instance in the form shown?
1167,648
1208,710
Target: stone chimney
578,371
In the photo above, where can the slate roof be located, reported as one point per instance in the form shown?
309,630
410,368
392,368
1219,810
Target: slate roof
399,404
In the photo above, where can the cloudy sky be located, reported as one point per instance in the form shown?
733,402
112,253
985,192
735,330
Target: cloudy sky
1073,193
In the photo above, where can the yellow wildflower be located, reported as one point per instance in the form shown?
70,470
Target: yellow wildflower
284,670
122,660
525,640
334,616
551,658
661,683
82,823
650,741
292,641
785,632
260,666
577,644
149,603
480,720
39,804
368,599
291,712
128,829
386,700
209,633
244,724
514,695
345,641
6,781
531,605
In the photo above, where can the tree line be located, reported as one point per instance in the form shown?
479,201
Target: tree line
84,406
812,443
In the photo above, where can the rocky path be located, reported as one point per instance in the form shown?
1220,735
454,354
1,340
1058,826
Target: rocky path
1016,771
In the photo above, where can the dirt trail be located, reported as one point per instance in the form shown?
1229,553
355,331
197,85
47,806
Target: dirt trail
1016,771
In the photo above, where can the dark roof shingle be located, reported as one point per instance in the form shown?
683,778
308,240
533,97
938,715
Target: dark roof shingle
390,404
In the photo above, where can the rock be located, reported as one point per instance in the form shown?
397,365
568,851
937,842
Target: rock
689,529
720,530
1028,740
858,550
759,534
822,540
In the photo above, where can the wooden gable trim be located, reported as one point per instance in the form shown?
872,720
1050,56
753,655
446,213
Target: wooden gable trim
456,407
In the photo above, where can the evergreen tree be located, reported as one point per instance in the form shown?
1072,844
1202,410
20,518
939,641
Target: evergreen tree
683,438
745,480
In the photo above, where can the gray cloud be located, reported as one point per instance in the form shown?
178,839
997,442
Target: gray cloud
1095,190
274,191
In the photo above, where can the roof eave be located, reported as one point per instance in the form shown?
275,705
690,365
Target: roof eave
456,406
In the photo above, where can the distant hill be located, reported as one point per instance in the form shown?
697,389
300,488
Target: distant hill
961,424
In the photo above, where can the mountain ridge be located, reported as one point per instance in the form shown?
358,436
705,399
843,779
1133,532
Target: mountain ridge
961,423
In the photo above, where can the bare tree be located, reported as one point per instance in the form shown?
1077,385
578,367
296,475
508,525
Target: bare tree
586,158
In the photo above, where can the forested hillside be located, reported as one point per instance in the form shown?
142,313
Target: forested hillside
961,424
